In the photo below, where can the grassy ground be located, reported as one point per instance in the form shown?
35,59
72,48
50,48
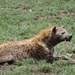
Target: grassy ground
22,19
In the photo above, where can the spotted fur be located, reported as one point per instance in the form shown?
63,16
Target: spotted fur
40,46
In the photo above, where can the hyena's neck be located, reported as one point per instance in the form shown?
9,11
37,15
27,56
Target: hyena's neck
52,42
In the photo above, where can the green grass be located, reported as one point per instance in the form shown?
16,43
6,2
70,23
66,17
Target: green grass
22,19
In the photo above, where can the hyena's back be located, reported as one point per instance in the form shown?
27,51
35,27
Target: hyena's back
12,51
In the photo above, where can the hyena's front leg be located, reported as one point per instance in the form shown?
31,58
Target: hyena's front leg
51,59
66,58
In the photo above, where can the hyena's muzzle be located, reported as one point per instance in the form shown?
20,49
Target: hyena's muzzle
67,37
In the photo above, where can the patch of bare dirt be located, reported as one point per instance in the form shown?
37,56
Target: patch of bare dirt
61,14
44,17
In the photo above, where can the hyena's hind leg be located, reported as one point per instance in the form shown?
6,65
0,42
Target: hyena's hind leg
6,59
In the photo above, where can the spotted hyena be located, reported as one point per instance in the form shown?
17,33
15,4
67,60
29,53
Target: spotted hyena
40,46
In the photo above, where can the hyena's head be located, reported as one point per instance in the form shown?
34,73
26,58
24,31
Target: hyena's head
60,34
54,35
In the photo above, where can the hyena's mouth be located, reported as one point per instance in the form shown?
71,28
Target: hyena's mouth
68,38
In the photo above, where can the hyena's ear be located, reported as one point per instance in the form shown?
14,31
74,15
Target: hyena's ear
62,27
54,30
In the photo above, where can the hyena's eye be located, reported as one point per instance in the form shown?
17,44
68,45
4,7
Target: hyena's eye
63,33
